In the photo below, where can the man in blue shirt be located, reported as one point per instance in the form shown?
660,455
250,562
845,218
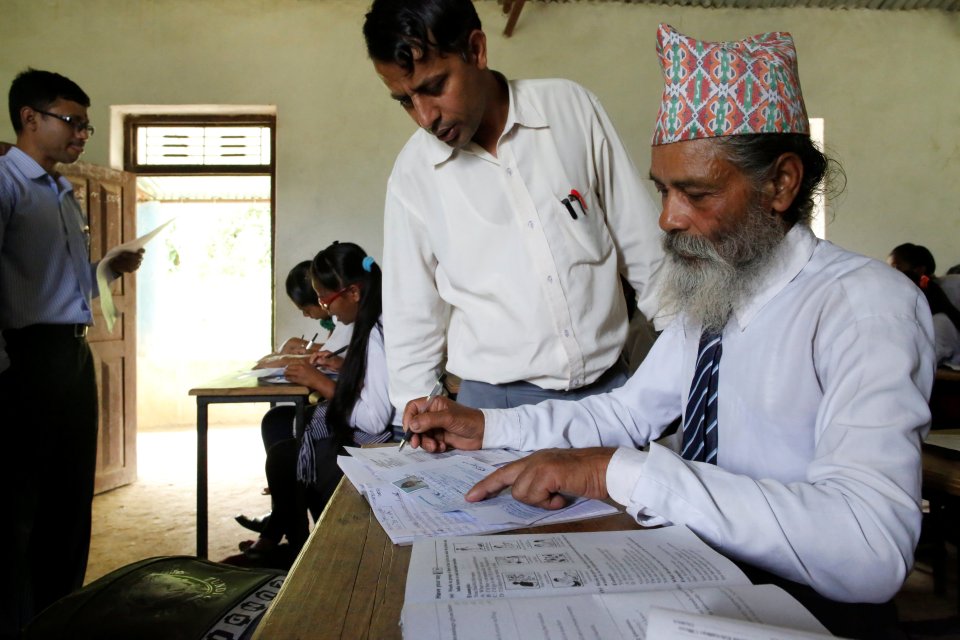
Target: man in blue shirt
48,390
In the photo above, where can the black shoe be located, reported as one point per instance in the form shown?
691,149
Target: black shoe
254,524
263,554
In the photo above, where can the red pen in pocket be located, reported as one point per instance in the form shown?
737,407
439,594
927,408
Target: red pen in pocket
575,195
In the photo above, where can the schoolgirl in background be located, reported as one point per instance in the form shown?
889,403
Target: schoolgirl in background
356,410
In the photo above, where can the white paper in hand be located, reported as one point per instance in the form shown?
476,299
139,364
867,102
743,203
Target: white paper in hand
103,281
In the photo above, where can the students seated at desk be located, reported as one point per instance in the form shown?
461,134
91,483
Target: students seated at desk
301,293
942,294
277,423
356,409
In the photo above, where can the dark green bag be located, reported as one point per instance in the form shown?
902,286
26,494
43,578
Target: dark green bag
166,598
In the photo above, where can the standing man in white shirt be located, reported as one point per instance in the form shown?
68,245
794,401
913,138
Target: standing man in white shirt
509,215
801,371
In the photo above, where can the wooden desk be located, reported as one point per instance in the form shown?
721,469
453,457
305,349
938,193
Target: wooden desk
941,462
348,581
234,388
941,487
945,400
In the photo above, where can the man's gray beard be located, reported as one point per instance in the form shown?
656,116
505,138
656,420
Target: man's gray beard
707,279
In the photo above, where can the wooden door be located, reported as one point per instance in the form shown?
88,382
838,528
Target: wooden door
108,198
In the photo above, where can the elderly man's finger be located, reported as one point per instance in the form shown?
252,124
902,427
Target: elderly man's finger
495,482
536,486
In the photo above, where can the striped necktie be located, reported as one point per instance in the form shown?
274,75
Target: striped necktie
700,425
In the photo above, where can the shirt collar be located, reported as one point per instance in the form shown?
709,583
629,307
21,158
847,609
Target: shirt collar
523,111
792,256
32,170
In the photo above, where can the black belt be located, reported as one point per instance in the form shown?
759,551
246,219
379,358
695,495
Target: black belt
75,330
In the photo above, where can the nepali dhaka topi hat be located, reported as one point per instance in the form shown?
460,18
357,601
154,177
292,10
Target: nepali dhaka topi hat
717,89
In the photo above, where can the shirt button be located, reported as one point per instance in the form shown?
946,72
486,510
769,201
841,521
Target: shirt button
530,223
509,171
550,279
566,333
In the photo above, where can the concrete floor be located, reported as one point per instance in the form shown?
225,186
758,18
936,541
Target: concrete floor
155,516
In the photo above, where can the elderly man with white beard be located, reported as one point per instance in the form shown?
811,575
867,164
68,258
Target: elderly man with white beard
800,371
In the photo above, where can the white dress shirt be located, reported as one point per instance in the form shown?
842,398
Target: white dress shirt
373,413
824,381
483,260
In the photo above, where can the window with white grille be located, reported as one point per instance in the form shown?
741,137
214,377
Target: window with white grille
214,144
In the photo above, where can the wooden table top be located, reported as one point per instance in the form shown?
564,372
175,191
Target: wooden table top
945,373
243,384
349,580
941,461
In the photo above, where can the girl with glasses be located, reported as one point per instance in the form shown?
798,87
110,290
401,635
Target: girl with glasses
355,410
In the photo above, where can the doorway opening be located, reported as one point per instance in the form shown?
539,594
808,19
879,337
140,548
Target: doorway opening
204,308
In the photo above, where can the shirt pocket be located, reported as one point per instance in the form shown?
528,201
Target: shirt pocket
586,238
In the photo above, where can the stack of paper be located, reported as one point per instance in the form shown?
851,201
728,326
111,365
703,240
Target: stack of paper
613,584
417,494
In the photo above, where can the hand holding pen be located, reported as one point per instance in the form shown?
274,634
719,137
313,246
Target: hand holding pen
436,391
440,424
330,360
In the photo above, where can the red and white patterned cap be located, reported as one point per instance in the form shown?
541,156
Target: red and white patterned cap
728,88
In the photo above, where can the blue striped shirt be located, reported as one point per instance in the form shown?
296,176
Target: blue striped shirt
45,272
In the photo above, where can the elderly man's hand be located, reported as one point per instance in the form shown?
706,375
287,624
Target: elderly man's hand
443,424
127,262
545,478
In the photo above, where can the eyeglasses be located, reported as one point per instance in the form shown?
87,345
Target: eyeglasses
326,301
74,121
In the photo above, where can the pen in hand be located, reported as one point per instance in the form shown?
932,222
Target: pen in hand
437,389
310,344
326,356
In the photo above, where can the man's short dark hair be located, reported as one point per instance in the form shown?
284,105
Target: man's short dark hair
400,31
299,287
40,89
756,154
915,255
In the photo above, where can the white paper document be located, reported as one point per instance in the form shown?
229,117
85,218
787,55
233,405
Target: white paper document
418,494
442,484
268,372
404,519
672,624
103,281
580,585
390,458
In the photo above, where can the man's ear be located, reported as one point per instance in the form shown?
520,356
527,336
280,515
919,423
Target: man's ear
27,116
477,45
785,181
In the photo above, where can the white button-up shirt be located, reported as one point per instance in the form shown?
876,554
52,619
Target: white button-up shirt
482,259
823,389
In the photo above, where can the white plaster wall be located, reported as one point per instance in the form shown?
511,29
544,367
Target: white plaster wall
886,83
